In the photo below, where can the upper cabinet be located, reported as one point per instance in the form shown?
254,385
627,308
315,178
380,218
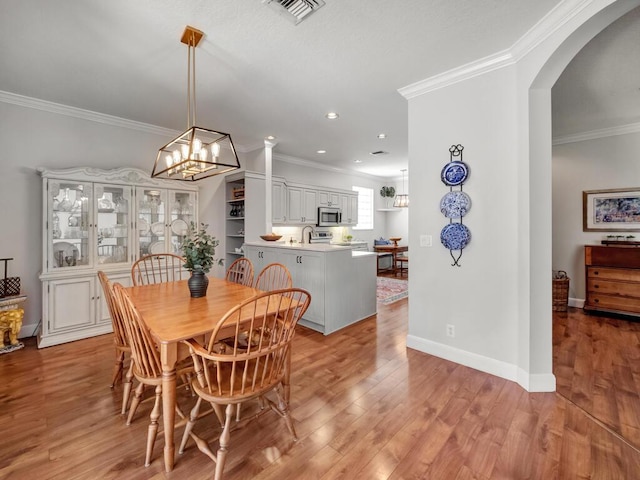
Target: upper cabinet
349,207
302,205
162,219
328,199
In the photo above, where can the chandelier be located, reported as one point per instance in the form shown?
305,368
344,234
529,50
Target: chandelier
198,152
402,200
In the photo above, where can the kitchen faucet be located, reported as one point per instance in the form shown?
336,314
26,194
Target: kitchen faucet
303,228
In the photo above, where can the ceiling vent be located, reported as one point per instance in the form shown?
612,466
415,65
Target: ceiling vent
296,10
378,152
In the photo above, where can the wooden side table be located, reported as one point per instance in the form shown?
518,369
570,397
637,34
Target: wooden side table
11,314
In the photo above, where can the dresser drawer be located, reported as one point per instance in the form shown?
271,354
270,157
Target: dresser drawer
598,301
623,274
599,286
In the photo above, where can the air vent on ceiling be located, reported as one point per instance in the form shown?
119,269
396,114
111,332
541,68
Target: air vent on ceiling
297,10
378,152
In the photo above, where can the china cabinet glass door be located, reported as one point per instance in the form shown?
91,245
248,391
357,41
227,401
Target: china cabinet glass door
69,224
112,222
182,213
151,221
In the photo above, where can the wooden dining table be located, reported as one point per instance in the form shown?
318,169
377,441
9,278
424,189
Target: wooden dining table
394,250
171,315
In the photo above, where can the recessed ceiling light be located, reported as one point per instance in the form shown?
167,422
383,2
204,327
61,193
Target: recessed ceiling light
332,115
382,136
357,161
321,151
270,137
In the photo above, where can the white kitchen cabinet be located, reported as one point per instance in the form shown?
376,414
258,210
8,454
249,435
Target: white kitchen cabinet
260,258
308,272
278,202
349,208
342,283
328,198
302,205
101,220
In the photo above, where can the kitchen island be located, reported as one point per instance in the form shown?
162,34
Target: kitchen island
341,281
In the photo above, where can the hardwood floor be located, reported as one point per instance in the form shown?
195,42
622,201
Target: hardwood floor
596,364
365,407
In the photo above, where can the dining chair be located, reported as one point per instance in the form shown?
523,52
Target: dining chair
120,339
274,276
147,367
241,271
258,362
158,268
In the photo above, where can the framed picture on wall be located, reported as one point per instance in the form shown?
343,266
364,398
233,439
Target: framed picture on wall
616,210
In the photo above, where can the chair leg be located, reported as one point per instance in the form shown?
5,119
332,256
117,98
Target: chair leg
153,426
117,369
283,406
137,397
126,392
187,429
225,436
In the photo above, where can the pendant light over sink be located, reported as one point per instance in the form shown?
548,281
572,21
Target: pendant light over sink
198,152
402,199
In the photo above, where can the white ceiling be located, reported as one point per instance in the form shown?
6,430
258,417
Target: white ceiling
600,88
258,73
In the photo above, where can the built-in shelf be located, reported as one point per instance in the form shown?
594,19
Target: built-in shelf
237,235
236,200
388,209
235,218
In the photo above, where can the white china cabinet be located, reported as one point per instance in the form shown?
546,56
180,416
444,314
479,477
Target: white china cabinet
102,220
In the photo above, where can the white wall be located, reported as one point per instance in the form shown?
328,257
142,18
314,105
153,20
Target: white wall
499,108
34,138
603,163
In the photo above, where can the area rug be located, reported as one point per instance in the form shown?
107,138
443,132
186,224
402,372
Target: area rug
391,290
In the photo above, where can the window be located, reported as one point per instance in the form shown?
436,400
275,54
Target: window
365,208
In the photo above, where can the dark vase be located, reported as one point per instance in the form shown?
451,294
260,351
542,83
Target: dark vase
198,283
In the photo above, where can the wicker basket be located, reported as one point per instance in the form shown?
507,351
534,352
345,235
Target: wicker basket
560,291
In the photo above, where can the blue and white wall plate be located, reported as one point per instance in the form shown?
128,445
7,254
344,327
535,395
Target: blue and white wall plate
454,173
455,204
455,236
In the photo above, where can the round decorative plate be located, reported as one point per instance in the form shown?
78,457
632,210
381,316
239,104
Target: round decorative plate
455,204
454,173
156,248
157,228
455,236
143,226
179,227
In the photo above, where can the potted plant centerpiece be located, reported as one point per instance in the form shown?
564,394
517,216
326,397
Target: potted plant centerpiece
199,249
388,193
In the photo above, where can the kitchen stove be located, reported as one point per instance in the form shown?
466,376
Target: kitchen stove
320,237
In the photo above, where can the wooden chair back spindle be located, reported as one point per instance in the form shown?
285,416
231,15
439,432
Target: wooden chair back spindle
158,268
274,276
241,271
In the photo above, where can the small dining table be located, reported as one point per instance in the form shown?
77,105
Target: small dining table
171,315
394,250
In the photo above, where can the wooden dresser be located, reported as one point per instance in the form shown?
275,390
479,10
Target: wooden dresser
612,279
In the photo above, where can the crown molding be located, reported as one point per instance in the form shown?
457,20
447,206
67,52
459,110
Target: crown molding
595,134
322,166
549,24
57,108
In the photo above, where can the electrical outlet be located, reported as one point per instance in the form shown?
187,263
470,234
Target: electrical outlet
451,331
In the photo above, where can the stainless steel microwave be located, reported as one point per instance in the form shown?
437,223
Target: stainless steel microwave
329,217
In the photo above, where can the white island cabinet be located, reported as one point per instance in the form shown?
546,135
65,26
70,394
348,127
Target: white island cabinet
342,282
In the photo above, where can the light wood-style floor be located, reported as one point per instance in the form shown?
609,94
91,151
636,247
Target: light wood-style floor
365,407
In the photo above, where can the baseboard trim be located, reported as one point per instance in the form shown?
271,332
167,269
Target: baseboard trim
576,302
528,381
